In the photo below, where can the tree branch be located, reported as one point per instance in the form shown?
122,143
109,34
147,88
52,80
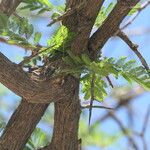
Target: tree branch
14,78
67,112
9,6
143,6
123,99
125,131
134,48
110,26
21,125
81,22
24,119
100,107
3,40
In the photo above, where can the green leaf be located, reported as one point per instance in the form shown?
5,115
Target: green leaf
103,14
135,9
30,30
40,6
46,2
109,8
99,87
86,59
55,15
102,68
121,61
3,21
37,139
37,37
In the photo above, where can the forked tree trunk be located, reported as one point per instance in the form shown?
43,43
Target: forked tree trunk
66,121
67,109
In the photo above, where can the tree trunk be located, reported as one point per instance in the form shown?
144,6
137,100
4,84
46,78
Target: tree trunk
21,125
66,89
66,120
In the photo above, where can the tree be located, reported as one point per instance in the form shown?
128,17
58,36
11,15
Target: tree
72,57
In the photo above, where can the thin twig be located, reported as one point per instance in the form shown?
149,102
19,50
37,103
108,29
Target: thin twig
68,13
146,120
34,55
92,97
101,107
142,133
109,81
134,48
143,6
6,41
124,130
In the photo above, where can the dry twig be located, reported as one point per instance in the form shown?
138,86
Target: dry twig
134,48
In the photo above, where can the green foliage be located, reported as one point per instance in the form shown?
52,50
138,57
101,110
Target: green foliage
103,68
3,21
42,6
135,9
99,87
37,139
2,125
96,137
39,5
19,31
37,37
103,14
20,26
59,37
59,43
58,11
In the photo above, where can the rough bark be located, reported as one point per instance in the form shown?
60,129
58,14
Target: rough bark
63,90
25,118
9,6
67,111
21,125
110,26
66,121
32,89
82,22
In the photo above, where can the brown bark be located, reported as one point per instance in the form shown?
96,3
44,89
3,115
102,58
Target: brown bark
110,26
9,6
66,120
82,22
33,90
64,91
24,119
21,125
67,111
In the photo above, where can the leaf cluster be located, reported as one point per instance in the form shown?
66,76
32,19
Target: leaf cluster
39,5
38,139
105,10
102,68
18,31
